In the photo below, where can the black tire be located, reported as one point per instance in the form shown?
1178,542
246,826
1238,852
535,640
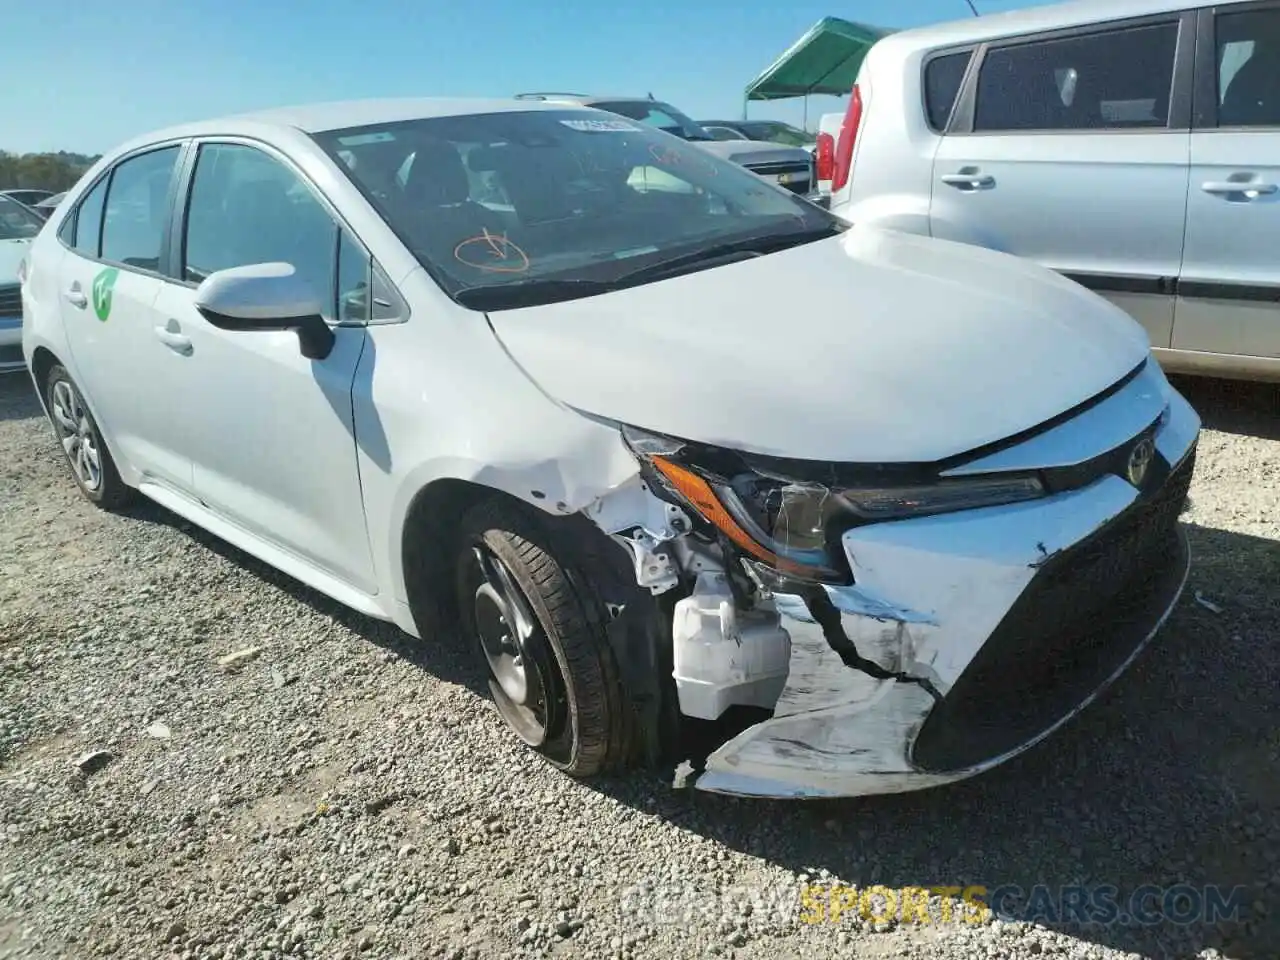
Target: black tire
588,721
108,490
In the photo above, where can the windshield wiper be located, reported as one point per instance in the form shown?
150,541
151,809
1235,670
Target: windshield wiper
529,293
758,244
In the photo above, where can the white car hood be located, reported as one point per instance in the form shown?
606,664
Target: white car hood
11,254
874,346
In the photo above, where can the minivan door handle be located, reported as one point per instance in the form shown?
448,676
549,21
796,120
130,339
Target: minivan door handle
75,296
969,180
1249,189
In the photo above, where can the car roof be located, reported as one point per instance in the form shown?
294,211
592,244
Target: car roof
1074,13
340,114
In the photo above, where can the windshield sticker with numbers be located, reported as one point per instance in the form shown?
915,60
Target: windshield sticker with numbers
601,126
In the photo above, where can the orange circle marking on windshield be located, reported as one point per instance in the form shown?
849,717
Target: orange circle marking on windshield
492,252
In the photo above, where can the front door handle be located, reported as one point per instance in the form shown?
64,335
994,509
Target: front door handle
75,296
171,338
969,181
1249,188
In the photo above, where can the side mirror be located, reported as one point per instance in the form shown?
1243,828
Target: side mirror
266,296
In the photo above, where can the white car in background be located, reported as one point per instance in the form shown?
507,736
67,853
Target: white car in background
457,365
1131,145
18,225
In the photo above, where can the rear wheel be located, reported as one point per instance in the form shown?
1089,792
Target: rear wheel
532,616
91,465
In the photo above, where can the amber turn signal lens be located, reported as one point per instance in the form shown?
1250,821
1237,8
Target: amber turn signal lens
696,490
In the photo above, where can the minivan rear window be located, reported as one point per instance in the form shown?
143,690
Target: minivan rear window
942,78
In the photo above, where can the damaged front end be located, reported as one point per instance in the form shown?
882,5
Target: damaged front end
907,625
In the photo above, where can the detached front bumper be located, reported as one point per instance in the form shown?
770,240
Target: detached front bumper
970,637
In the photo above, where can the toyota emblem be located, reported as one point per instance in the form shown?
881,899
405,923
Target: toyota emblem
1140,461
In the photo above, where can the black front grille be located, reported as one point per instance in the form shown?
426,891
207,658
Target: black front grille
10,300
1084,612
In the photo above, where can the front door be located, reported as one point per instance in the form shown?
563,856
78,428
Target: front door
274,430
134,382
1229,290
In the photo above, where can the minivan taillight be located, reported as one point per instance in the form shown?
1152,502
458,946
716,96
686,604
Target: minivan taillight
848,134
825,155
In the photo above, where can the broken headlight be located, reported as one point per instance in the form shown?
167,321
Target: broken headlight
793,524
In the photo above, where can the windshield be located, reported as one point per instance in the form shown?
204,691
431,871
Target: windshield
775,131
17,222
655,113
520,198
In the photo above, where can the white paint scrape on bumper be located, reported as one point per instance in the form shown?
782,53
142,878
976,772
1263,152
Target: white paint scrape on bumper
968,637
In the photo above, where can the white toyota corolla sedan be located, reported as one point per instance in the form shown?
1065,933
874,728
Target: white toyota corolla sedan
658,440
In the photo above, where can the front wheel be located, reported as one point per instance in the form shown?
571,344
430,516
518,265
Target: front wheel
91,465
538,626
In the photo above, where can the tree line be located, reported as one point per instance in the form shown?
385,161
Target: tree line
42,171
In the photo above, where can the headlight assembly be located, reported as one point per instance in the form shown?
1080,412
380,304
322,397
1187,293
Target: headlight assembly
795,525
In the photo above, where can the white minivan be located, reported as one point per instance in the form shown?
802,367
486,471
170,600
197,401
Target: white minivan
461,366
1131,145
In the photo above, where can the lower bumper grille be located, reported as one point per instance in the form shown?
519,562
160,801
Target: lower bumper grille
1079,620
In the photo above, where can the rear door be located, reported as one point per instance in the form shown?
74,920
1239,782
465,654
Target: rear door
1070,148
1229,289
108,283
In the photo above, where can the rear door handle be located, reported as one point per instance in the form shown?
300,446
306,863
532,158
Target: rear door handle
75,296
969,181
178,342
1249,188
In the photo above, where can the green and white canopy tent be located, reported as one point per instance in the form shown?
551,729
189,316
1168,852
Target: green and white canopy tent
824,61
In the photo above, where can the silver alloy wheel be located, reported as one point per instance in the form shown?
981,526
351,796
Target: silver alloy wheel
509,636
77,434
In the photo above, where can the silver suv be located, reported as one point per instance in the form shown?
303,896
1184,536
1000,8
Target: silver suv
791,167
1133,145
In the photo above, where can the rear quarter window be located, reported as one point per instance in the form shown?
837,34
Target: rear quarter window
942,78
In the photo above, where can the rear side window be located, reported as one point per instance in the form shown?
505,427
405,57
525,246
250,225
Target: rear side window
1120,79
89,221
137,209
942,78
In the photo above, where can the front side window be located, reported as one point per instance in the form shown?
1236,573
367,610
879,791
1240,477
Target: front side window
519,199
17,222
247,207
137,209
1249,68
1120,79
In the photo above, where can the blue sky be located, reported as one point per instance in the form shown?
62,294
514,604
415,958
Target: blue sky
84,75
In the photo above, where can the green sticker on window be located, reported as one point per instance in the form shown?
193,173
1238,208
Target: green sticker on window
103,285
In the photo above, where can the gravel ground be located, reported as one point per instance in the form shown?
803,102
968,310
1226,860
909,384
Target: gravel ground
343,791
